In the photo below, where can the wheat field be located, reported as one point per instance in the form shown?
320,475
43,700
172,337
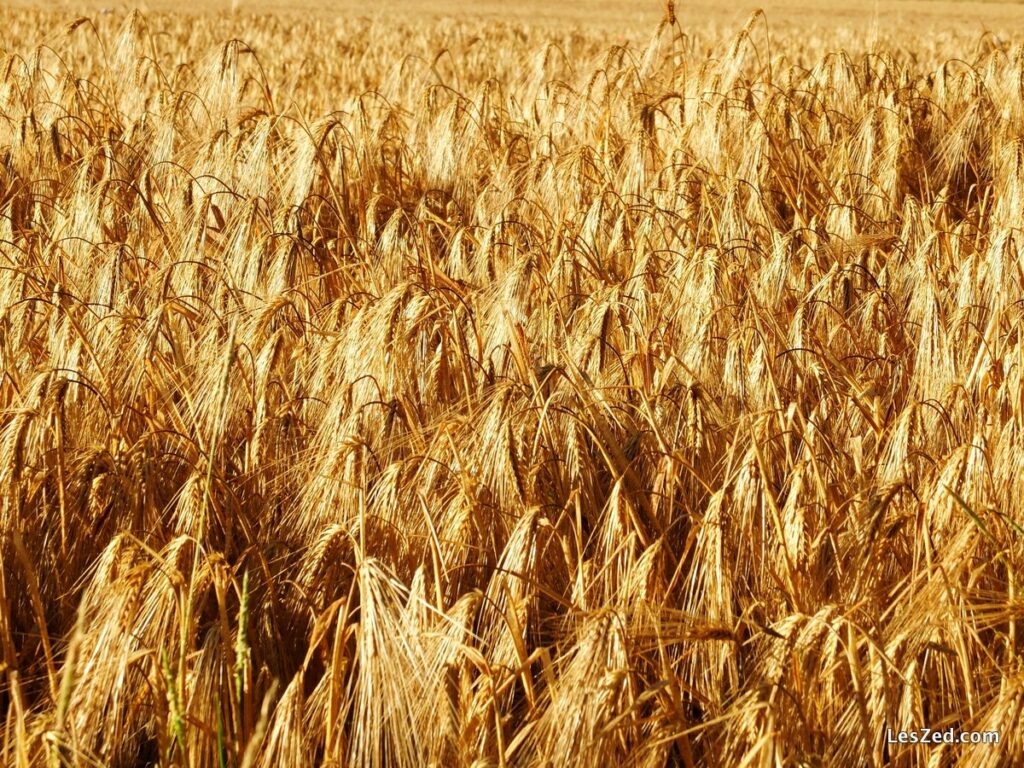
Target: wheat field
379,393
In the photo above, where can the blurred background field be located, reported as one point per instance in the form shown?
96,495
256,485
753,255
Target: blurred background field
892,15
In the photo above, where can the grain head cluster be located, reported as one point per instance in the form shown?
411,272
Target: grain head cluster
377,393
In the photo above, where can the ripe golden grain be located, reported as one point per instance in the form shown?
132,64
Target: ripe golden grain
476,394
